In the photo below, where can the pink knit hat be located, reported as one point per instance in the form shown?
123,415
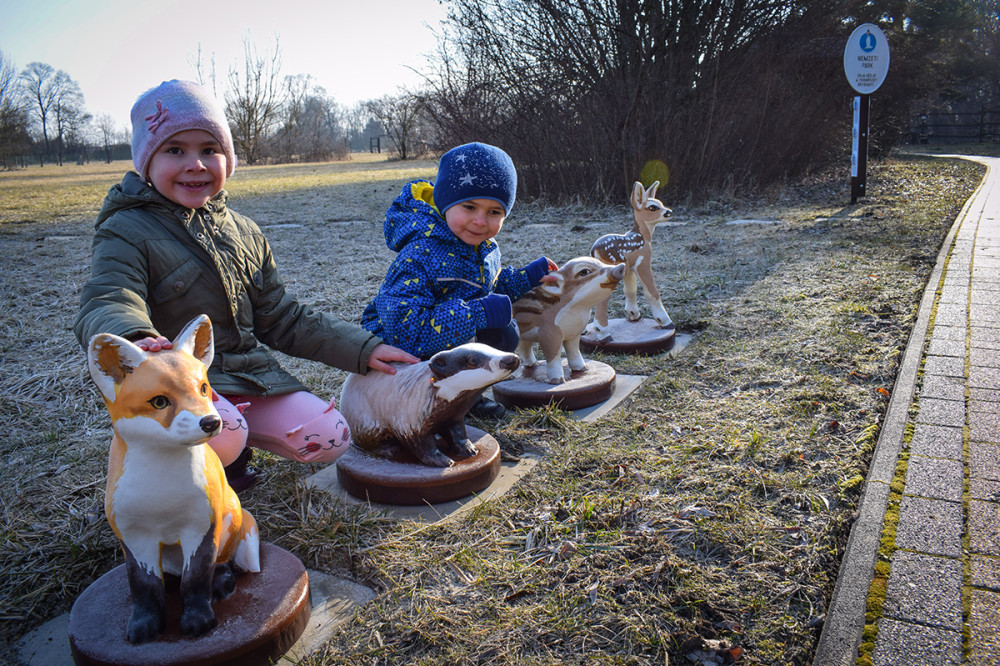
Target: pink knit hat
172,107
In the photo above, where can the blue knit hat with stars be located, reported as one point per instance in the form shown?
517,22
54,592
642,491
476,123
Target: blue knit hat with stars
475,171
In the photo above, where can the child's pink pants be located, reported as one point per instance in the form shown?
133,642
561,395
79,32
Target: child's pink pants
301,426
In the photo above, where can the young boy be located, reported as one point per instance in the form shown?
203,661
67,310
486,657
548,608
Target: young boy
446,286
168,248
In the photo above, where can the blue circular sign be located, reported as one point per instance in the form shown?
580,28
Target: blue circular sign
866,58
868,42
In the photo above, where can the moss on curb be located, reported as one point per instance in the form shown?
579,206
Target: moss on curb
887,543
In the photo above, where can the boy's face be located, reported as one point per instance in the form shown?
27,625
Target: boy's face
189,168
476,220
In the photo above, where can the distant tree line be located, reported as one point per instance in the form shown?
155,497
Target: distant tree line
274,118
586,94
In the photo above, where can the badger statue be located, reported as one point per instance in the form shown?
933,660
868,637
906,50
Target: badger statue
423,401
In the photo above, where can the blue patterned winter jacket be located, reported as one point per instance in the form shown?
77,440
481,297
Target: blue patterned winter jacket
427,300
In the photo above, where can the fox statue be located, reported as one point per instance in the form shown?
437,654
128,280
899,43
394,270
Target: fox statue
167,498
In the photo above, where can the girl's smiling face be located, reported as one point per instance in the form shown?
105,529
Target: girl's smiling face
475,220
189,168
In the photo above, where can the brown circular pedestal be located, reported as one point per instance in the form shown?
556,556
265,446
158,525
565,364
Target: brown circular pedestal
404,480
258,622
644,337
529,387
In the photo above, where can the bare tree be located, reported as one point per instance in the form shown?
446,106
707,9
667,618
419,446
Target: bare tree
401,118
288,138
38,81
107,131
354,118
322,128
14,138
254,98
67,111
198,65
311,123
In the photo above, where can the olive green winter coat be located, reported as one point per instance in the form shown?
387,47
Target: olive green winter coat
157,265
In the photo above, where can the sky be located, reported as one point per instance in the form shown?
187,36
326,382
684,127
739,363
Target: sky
116,49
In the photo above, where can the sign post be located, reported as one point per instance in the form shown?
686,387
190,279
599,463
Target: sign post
859,147
866,62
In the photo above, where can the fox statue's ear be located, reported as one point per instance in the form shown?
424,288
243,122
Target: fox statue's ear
110,359
196,339
651,192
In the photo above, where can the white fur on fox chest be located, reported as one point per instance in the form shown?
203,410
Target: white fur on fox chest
161,498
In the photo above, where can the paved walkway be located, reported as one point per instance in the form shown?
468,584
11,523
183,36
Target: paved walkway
940,442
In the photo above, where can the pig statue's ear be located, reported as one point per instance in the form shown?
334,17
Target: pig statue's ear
554,288
196,339
110,359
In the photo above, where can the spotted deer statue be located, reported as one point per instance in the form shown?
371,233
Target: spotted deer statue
634,249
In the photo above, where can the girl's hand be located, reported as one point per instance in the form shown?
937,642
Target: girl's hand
154,344
384,354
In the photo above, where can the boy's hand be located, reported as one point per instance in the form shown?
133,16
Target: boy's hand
384,354
156,344
548,277
497,309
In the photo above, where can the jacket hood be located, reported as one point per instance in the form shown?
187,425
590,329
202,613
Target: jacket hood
413,215
133,191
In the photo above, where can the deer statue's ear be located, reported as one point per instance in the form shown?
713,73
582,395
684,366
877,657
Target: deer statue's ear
196,339
110,359
638,195
651,192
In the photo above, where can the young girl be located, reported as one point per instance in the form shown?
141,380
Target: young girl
167,248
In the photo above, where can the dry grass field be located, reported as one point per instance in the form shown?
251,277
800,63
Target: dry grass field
702,522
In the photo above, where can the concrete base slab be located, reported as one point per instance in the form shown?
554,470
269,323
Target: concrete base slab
624,386
681,340
47,645
334,602
510,473
326,479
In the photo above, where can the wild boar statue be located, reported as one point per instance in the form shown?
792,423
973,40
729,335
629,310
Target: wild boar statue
424,403
555,314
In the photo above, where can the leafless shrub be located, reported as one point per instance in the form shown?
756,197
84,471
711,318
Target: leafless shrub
584,94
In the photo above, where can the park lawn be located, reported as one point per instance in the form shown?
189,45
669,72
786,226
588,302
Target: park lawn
707,514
